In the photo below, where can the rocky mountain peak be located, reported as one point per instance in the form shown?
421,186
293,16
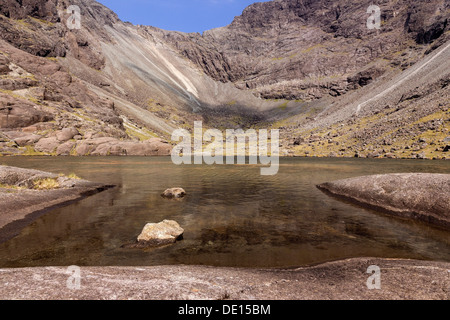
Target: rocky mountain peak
312,68
312,47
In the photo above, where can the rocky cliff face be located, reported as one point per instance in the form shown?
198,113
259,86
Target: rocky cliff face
39,27
311,68
44,107
292,49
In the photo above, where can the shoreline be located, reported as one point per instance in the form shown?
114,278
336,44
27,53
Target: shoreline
289,156
20,204
338,280
413,196
22,218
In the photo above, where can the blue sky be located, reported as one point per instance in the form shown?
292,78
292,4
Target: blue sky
179,15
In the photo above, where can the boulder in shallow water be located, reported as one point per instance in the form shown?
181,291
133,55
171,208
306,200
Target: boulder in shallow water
174,193
159,234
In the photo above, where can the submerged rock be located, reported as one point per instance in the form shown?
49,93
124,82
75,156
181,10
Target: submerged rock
420,196
174,193
160,234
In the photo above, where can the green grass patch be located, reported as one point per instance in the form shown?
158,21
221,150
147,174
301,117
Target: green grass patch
11,187
141,134
30,151
42,21
317,46
283,106
73,176
11,93
23,23
45,184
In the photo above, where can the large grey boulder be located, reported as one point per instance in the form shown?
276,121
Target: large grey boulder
419,196
67,134
27,139
65,149
22,138
48,145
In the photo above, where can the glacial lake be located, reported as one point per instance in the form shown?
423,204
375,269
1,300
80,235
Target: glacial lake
232,216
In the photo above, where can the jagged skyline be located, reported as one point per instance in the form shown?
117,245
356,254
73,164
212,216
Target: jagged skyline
179,15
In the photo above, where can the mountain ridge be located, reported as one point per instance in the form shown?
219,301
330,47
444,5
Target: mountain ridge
300,66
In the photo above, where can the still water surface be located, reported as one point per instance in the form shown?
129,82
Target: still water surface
232,216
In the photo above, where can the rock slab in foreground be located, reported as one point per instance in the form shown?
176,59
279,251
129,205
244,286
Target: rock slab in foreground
420,196
159,234
341,280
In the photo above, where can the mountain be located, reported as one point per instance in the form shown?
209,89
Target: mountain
311,68
309,49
